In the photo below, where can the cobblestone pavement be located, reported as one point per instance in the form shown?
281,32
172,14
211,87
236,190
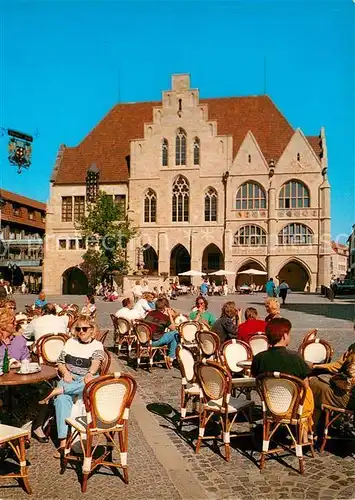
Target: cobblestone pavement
330,475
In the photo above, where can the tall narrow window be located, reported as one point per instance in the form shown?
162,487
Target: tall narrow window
164,153
79,207
180,200
250,196
211,205
180,147
120,200
196,151
92,183
150,206
67,208
294,194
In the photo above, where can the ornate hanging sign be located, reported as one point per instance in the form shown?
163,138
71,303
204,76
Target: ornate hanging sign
20,149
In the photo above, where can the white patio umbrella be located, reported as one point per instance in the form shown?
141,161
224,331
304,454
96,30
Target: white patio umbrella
192,272
253,272
222,272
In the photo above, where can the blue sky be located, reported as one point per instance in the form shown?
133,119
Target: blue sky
64,64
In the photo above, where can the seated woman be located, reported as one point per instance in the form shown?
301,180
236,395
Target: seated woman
226,325
15,344
41,301
272,306
89,309
201,313
78,363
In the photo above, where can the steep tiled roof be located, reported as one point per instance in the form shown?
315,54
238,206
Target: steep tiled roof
108,146
22,200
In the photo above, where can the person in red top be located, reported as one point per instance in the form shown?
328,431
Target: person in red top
251,325
160,320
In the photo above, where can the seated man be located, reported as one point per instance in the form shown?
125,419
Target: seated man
279,359
48,323
251,325
127,311
159,320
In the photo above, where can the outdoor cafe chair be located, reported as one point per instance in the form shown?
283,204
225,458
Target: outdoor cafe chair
209,344
145,349
190,390
107,402
216,385
258,343
48,347
15,438
342,416
316,351
233,352
282,398
187,331
310,335
123,334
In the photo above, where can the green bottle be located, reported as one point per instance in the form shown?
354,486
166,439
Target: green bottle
6,362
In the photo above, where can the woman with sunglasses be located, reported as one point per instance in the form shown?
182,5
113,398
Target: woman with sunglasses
78,363
201,313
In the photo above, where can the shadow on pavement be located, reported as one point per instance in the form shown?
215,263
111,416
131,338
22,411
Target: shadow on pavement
331,310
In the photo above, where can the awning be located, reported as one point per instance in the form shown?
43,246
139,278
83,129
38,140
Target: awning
30,269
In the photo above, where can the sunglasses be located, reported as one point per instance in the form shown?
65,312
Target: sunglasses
82,328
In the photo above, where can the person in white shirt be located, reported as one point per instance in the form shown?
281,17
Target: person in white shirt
142,307
145,287
48,323
127,312
137,291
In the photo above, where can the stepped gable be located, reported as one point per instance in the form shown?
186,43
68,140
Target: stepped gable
108,144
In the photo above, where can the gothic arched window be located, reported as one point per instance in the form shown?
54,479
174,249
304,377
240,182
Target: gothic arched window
180,200
164,153
150,206
211,198
180,147
196,151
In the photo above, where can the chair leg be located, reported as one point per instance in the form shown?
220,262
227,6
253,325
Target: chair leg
23,466
226,437
201,430
326,428
184,398
299,451
87,462
265,449
63,458
123,442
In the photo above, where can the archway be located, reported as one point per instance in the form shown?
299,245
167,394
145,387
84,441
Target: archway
212,259
150,258
296,276
14,275
245,278
180,260
75,282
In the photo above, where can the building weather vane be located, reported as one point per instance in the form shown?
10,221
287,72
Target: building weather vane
19,148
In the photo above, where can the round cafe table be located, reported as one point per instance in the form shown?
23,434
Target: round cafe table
12,379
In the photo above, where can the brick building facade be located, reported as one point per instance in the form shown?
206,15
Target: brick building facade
210,183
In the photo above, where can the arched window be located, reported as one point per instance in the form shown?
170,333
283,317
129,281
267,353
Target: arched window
295,234
250,236
150,206
211,205
294,194
180,147
180,200
164,153
196,151
250,196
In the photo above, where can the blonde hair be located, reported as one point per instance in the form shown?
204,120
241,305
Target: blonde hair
6,316
85,319
273,304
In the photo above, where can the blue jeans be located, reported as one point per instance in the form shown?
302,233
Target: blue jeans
64,402
171,339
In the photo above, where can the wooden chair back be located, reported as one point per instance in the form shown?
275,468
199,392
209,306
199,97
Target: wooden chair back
49,347
143,333
106,363
214,380
282,395
258,343
108,399
310,335
209,343
234,351
188,331
186,364
316,351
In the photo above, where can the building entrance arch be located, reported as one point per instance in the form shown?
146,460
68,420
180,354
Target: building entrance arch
296,276
75,282
241,279
150,258
212,259
180,260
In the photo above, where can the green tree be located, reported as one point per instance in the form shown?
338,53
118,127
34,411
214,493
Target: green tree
107,231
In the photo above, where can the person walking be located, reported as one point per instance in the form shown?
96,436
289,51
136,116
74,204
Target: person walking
270,288
283,289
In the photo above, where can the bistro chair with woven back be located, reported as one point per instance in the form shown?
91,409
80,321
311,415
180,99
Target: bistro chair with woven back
216,386
235,352
187,331
15,439
190,390
107,402
316,351
209,345
283,397
258,343
145,349
48,348
123,334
